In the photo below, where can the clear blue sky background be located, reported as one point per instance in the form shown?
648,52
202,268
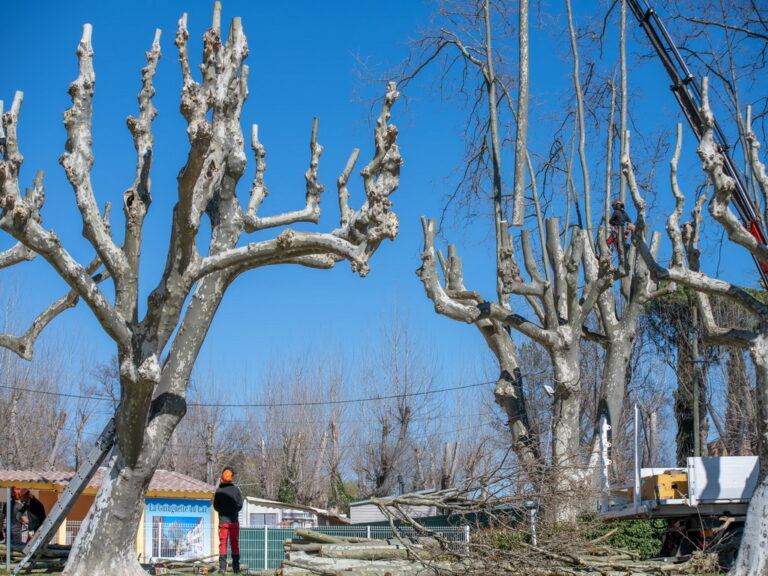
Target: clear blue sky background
303,57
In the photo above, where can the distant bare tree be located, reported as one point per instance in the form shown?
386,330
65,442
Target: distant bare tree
34,415
396,428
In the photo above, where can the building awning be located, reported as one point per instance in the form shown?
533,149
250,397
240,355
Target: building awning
164,483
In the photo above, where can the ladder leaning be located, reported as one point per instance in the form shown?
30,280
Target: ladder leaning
59,512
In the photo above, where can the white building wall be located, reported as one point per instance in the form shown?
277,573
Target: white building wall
364,513
283,515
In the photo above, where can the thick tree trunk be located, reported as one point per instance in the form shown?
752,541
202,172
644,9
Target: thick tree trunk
753,555
510,394
611,400
112,524
113,520
106,543
684,399
614,378
566,432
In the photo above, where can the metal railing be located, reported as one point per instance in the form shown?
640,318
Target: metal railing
72,528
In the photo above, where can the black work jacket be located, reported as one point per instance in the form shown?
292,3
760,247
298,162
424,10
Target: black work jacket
35,513
227,502
619,217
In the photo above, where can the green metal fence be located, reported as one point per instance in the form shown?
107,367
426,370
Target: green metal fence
262,548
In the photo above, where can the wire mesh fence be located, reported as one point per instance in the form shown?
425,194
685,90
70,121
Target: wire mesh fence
261,548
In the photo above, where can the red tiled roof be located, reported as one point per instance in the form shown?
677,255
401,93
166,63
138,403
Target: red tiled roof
162,481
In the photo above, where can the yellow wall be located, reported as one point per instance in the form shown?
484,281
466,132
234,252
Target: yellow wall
49,494
81,507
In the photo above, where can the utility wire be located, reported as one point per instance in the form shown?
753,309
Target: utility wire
348,401
263,404
273,449
50,393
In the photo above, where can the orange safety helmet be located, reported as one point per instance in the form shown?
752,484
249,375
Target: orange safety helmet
226,475
16,491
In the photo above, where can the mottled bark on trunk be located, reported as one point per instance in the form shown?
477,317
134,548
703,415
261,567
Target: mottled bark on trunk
510,394
112,524
614,378
612,398
567,466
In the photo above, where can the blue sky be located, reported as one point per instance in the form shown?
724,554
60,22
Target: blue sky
304,59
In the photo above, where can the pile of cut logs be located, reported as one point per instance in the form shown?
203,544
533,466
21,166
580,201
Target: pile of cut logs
54,557
315,553
206,565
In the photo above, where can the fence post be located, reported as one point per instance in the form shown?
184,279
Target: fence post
368,532
266,548
466,534
8,529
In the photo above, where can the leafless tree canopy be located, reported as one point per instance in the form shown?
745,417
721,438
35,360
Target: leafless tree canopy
156,350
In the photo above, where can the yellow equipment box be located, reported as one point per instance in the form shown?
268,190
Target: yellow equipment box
669,486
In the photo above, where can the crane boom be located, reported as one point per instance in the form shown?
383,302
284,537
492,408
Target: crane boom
688,93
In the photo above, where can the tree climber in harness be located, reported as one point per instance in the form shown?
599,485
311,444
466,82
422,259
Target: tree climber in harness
621,227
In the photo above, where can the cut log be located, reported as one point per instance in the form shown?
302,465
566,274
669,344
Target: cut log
373,553
304,547
313,536
307,568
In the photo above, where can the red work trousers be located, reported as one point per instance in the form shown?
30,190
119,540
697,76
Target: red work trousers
229,530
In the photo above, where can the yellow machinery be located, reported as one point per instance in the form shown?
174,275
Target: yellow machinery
669,485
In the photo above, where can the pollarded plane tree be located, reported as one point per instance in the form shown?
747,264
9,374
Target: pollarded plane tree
558,302
559,305
157,351
620,308
684,270
560,308
619,311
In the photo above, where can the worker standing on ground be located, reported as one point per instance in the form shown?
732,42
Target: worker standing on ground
32,512
227,502
15,511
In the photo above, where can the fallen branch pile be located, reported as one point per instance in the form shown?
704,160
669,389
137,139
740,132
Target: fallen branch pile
614,562
325,555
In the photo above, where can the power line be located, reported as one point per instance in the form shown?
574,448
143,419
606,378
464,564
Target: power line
324,421
272,448
263,404
62,394
329,402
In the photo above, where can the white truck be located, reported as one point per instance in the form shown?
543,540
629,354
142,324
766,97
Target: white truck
719,486
705,502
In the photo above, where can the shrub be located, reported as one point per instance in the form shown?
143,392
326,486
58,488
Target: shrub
642,536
